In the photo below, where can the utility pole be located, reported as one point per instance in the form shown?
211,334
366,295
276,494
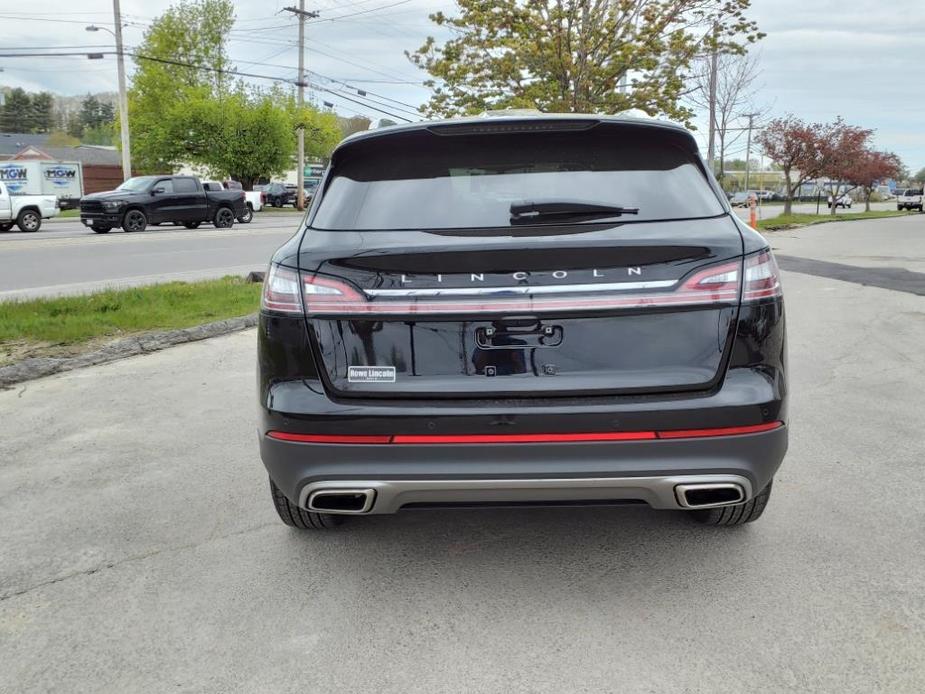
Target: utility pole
748,145
301,13
123,95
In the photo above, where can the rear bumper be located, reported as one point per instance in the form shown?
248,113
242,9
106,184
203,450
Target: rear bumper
646,471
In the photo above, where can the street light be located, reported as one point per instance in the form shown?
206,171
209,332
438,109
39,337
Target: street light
123,94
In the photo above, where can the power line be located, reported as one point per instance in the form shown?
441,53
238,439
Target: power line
354,14
362,98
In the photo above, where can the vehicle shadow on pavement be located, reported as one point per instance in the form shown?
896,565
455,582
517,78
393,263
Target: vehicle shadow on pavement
571,543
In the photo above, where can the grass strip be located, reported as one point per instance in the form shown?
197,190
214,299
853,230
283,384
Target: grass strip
791,221
67,325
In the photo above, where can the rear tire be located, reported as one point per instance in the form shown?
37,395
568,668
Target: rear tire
739,514
29,221
6,226
224,218
191,225
248,214
296,517
100,229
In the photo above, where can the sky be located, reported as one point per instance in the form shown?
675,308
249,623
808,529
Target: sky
822,59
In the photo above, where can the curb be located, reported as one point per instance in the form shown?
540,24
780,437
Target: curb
37,367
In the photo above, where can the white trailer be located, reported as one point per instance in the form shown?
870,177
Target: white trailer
62,179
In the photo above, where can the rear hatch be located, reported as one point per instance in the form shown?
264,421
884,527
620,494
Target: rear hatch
512,260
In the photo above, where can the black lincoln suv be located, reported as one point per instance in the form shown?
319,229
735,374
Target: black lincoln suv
549,310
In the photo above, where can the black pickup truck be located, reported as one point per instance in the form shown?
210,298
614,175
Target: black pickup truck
145,200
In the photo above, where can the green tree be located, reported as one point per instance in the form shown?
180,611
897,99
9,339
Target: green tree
17,115
43,110
240,136
103,134
182,60
575,55
920,176
322,131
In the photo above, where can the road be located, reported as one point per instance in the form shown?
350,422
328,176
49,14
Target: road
140,551
66,258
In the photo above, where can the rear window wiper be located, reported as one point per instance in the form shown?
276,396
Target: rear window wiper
526,212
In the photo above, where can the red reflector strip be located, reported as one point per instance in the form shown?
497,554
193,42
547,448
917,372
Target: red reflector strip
325,438
437,439
722,431
527,438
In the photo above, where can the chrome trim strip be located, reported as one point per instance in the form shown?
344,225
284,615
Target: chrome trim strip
391,495
522,290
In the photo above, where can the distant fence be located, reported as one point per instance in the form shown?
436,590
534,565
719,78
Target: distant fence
100,177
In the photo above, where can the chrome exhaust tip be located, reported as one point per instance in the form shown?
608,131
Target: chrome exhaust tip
335,500
709,494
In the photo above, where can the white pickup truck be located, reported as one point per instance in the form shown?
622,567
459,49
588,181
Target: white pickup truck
909,199
253,199
25,211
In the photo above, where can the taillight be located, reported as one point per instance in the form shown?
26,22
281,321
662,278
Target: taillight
762,277
281,291
718,284
327,295
287,291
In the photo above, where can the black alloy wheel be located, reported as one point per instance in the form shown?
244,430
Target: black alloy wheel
224,218
134,220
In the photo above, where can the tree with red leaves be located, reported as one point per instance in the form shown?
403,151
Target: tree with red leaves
842,149
793,145
808,151
872,169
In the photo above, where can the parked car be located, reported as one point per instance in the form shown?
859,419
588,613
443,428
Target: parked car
439,333
910,199
280,194
253,199
843,200
741,199
25,211
144,200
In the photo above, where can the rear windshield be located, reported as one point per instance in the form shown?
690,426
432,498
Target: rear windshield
424,181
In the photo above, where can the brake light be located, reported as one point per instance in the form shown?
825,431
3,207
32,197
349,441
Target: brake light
281,290
762,277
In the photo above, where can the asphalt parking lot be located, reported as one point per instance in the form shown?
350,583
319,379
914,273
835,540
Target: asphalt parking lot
140,551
